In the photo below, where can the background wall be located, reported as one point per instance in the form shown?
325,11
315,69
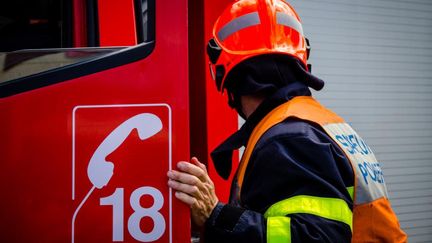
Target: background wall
376,56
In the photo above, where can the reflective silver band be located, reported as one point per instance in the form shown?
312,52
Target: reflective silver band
289,21
237,24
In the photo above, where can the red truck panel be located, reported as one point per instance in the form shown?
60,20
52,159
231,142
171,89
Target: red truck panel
57,142
222,121
116,20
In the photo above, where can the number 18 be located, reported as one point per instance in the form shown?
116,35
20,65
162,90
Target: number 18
117,202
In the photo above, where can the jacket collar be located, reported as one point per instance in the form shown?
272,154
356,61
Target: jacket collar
222,155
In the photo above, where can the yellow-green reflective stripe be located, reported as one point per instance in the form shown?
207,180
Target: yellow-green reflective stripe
330,208
278,230
351,192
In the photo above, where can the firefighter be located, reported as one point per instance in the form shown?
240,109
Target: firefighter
305,175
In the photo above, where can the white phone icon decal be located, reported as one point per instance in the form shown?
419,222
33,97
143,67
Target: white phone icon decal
100,170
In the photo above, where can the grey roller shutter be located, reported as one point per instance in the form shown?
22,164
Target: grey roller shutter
376,59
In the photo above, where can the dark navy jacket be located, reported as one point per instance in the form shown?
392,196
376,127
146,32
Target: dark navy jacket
294,157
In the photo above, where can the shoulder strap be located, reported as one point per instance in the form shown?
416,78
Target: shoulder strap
303,107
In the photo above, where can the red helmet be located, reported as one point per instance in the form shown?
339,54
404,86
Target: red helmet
248,28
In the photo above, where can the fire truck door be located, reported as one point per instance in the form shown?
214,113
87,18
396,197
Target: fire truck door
85,146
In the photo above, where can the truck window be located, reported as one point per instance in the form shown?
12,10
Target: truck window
23,63
37,37
35,24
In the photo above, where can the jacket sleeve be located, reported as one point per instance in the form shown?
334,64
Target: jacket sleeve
229,223
289,176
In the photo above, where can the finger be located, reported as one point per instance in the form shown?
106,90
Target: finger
189,189
184,178
192,169
204,168
186,198
199,164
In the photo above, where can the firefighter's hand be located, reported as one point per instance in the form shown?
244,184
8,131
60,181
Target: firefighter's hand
194,187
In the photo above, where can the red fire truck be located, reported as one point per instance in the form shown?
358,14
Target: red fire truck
98,100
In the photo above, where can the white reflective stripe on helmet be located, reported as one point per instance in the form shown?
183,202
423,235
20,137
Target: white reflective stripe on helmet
289,21
237,24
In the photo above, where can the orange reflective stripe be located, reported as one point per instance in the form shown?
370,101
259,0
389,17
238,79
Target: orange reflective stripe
303,107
